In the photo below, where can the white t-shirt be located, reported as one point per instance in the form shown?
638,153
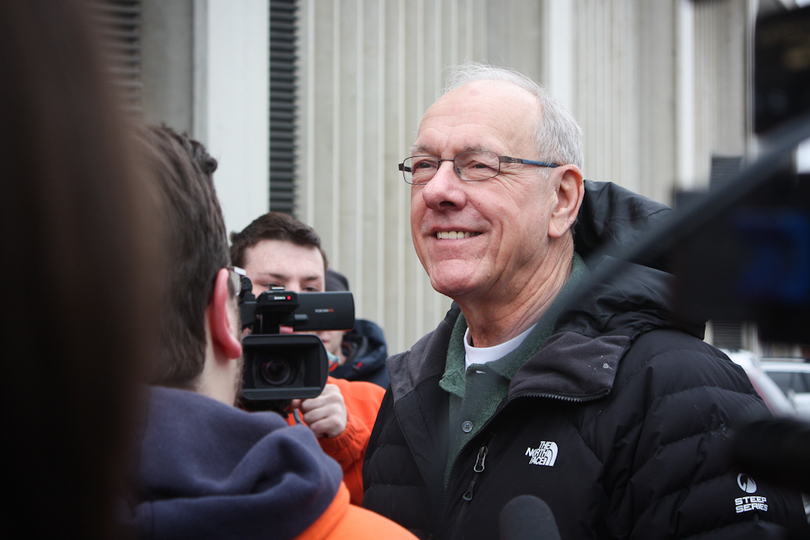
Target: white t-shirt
482,355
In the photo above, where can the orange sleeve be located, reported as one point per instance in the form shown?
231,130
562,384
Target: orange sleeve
362,401
343,521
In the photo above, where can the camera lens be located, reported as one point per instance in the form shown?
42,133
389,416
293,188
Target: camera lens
276,371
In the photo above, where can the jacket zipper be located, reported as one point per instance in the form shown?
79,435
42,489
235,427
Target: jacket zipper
478,469
480,460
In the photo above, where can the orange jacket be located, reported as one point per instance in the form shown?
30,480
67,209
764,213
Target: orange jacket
362,401
344,521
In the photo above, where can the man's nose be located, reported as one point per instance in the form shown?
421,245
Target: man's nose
445,188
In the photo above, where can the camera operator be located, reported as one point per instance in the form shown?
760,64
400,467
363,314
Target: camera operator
277,250
204,467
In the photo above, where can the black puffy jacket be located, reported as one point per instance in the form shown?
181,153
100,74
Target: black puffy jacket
620,422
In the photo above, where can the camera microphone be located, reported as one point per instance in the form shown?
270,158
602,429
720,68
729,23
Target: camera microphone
527,517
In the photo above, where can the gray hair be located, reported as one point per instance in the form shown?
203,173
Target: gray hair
557,136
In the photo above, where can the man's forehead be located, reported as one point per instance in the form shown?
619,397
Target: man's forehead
493,96
481,115
283,258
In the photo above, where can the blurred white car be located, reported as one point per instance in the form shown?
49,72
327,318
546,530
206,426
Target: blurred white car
793,377
773,396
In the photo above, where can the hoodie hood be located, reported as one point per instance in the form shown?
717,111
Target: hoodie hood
594,331
614,217
205,469
635,298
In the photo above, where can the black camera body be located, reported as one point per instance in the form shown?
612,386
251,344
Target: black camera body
281,367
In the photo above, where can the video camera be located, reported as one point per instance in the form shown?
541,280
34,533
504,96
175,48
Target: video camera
282,367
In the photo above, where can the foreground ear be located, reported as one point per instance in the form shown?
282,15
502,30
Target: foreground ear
223,317
570,192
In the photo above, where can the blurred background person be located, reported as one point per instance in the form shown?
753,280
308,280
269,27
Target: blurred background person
360,352
82,274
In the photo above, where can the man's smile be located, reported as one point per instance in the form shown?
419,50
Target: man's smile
455,235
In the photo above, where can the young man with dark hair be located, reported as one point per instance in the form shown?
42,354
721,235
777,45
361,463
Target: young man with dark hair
277,250
204,467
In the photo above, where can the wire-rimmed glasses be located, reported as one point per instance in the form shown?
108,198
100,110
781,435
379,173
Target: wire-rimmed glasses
469,166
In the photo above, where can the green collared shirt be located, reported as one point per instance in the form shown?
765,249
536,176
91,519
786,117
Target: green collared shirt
476,392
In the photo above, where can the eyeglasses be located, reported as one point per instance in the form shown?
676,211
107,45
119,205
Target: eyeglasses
469,166
236,283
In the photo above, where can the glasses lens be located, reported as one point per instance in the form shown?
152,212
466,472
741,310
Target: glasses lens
236,274
473,166
419,169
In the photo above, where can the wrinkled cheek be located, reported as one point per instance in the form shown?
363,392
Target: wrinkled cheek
423,255
419,244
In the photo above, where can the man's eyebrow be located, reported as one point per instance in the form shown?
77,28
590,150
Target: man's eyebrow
274,275
285,277
418,150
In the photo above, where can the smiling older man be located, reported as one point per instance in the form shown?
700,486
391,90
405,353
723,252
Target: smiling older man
605,410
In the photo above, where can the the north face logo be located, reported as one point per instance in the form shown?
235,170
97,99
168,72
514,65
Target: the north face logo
545,454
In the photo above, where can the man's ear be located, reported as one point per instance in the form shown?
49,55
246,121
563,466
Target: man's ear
223,318
570,192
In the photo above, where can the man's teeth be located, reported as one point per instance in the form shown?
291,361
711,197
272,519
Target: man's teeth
454,235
